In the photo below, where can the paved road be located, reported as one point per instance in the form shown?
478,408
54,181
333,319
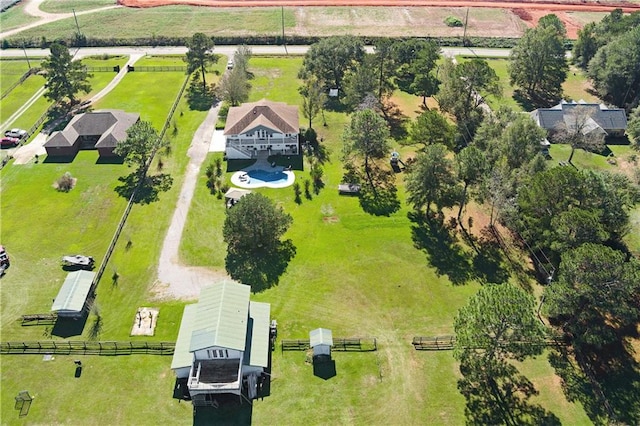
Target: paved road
226,50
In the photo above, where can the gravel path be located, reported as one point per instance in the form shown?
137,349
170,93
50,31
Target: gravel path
175,280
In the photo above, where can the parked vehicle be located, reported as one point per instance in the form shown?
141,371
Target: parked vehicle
4,260
230,64
78,261
9,141
16,133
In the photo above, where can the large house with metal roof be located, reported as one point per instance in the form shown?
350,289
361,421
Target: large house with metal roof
223,344
599,119
261,127
101,130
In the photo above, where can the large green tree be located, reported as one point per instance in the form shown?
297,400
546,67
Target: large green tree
366,139
64,76
254,225
461,93
199,55
330,59
430,128
417,67
234,87
472,167
596,294
537,63
615,70
498,323
431,179
140,145
633,128
360,85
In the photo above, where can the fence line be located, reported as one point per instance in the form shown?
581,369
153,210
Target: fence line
350,344
77,347
158,68
102,69
19,82
127,210
443,343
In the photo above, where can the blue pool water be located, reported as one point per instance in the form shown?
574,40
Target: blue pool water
266,176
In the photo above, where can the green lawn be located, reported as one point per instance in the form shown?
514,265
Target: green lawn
335,281
147,22
15,17
20,95
41,227
67,6
11,71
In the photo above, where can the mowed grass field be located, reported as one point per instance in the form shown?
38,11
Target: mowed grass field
358,275
39,225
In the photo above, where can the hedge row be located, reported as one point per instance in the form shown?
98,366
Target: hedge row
492,42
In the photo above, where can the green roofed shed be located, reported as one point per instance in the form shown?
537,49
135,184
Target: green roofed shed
182,358
222,317
72,298
258,344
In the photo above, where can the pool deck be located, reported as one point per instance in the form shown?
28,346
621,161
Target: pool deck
256,183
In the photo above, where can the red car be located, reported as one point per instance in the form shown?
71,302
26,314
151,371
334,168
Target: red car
9,141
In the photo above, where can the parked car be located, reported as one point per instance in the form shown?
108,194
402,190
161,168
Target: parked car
9,141
16,133
78,261
230,64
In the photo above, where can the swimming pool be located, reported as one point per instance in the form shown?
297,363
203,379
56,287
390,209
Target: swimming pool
258,178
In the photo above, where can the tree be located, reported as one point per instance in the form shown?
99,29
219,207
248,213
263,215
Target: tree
330,59
633,128
199,55
140,145
520,141
579,132
385,67
472,167
234,87
460,93
366,138
417,59
241,58
430,128
585,48
596,294
498,324
64,76
359,84
615,70
537,63
313,98
431,180
254,225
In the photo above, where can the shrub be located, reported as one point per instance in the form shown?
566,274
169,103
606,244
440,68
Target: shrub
452,21
65,183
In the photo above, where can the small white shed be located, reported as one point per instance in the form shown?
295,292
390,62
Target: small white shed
321,341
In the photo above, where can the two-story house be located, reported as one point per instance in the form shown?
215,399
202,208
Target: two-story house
261,127
223,343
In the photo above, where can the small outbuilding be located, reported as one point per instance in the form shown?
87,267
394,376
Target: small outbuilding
321,340
71,300
233,195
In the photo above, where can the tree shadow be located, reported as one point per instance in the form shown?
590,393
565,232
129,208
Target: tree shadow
501,397
529,103
146,191
489,261
396,120
261,270
380,196
439,241
199,98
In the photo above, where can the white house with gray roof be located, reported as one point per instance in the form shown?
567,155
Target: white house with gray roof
223,342
611,122
261,127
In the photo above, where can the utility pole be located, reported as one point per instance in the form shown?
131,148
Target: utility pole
25,55
464,33
76,19
282,17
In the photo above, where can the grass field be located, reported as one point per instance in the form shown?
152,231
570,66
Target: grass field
67,6
335,281
35,274
12,70
15,17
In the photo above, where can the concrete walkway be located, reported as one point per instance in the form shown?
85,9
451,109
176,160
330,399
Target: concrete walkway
175,280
